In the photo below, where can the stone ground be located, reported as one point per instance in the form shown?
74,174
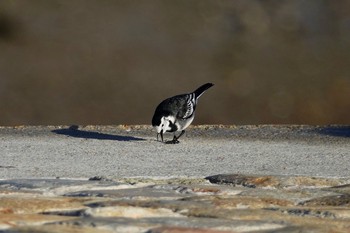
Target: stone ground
218,179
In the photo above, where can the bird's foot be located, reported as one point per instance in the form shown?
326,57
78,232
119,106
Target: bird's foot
174,141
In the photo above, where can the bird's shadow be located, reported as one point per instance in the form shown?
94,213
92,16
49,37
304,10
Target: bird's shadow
338,131
73,131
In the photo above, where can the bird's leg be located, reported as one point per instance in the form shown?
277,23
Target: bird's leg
161,135
182,132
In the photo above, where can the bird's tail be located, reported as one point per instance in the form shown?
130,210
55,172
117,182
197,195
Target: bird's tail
200,90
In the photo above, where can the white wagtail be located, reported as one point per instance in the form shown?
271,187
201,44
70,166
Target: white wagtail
177,113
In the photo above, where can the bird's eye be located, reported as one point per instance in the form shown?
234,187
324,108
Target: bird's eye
162,125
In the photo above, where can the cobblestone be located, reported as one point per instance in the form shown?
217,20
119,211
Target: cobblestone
273,204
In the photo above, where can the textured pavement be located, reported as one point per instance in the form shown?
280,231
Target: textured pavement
129,151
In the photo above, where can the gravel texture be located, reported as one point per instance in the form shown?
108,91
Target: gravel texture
132,151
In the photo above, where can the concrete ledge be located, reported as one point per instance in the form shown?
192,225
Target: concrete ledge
132,151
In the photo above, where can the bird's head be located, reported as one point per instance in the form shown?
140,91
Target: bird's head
164,125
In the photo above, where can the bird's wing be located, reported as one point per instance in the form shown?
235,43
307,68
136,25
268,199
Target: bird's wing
180,106
187,106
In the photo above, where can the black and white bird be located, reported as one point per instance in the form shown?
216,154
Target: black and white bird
177,113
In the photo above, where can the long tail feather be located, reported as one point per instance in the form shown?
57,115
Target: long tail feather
200,90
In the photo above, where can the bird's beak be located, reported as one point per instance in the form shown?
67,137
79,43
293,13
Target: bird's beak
161,135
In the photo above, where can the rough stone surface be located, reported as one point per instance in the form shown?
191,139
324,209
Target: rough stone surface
273,204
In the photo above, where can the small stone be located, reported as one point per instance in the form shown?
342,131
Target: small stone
243,180
99,178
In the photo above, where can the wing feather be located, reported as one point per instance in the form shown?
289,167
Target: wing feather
181,106
189,106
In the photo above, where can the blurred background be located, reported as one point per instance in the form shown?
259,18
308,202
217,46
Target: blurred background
114,61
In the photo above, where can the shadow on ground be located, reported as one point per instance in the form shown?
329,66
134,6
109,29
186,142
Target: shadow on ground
339,131
73,131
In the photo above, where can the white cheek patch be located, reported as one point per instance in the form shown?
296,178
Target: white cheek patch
160,127
165,124
169,119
